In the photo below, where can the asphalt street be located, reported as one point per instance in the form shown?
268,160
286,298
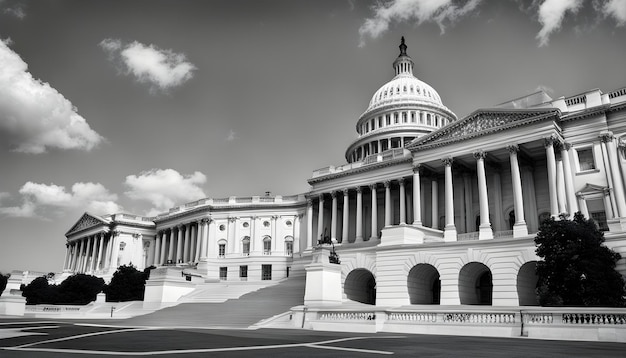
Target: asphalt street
42,338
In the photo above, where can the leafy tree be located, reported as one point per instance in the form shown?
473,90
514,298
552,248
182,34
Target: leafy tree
577,269
3,281
127,284
79,289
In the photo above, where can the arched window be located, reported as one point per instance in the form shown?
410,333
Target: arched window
267,245
245,246
289,246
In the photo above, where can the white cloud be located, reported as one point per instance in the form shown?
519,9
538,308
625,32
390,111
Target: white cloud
617,10
38,200
34,116
441,12
161,69
551,14
165,188
13,8
232,135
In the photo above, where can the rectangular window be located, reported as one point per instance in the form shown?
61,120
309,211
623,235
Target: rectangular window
585,159
289,248
600,218
223,273
222,250
267,247
266,272
243,272
246,248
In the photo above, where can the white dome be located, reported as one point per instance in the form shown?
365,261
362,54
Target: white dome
405,88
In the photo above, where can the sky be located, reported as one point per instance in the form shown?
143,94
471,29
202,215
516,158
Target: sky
137,106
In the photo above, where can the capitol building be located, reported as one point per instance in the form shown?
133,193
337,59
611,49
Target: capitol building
428,208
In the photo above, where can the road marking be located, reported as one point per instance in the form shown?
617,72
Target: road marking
29,348
81,336
19,332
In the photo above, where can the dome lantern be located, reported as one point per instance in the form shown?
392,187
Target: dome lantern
403,64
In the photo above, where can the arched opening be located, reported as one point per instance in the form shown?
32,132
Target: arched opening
360,286
424,285
267,245
526,284
511,219
245,246
475,284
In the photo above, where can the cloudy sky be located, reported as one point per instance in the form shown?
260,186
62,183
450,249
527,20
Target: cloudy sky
138,106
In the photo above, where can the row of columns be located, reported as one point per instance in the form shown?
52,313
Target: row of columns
182,243
91,253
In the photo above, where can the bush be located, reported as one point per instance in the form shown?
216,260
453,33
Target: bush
127,284
79,289
3,282
577,269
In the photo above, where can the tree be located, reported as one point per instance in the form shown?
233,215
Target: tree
3,281
39,291
127,284
79,289
577,269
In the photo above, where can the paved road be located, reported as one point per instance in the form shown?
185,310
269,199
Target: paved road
39,338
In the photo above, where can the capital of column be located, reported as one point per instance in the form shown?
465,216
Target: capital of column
607,191
204,221
333,194
372,186
480,154
180,226
321,197
274,217
447,161
116,233
232,219
137,235
580,195
346,191
359,190
417,168
309,202
401,181
513,148
548,141
566,145
606,137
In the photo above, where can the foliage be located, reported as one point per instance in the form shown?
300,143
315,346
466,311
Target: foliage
3,281
79,289
127,284
577,269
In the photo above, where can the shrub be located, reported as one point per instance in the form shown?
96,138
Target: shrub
127,284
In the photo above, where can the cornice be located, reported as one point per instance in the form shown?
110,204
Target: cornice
361,169
585,113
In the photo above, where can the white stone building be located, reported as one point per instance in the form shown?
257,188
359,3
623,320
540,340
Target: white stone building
428,209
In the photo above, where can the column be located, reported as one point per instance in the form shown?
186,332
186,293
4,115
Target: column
374,212
583,206
198,241
67,256
560,184
193,235
572,204
618,183
205,238
333,216
470,223
417,192
99,262
157,249
94,247
519,228
186,244
485,232
608,207
497,200
609,179
320,218
83,266
163,246
74,250
297,222
359,215
309,223
434,215
170,250
449,233
387,185
274,223
402,202
346,208
115,248
107,256
554,208
179,244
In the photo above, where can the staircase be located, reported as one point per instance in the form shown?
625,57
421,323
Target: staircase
233,313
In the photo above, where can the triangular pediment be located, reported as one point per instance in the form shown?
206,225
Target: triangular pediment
86,221
480,123
592,189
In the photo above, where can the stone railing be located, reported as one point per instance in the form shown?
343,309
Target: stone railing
346,316
480,318
418,317
52,308
618,93
502,234
470,236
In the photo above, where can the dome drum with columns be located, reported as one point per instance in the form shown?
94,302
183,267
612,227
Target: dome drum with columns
428,209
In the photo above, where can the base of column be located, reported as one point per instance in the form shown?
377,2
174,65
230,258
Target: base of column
449,233
485,232
417,223
520,229
358,239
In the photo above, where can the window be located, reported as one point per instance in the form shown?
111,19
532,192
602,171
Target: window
222,249
223,273
245,224
222,227
267,245
266,223
266,272
289,248
288,223
245,243
585,159
600,218
243,272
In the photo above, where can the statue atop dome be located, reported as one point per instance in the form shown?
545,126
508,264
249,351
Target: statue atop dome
402,47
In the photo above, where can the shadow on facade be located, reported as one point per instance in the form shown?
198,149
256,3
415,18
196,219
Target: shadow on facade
424,285
360,286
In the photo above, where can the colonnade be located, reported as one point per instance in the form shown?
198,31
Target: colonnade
562,196
182,243
91,253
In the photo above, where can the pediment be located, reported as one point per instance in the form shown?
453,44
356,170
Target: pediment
86,221
591,189
479,123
